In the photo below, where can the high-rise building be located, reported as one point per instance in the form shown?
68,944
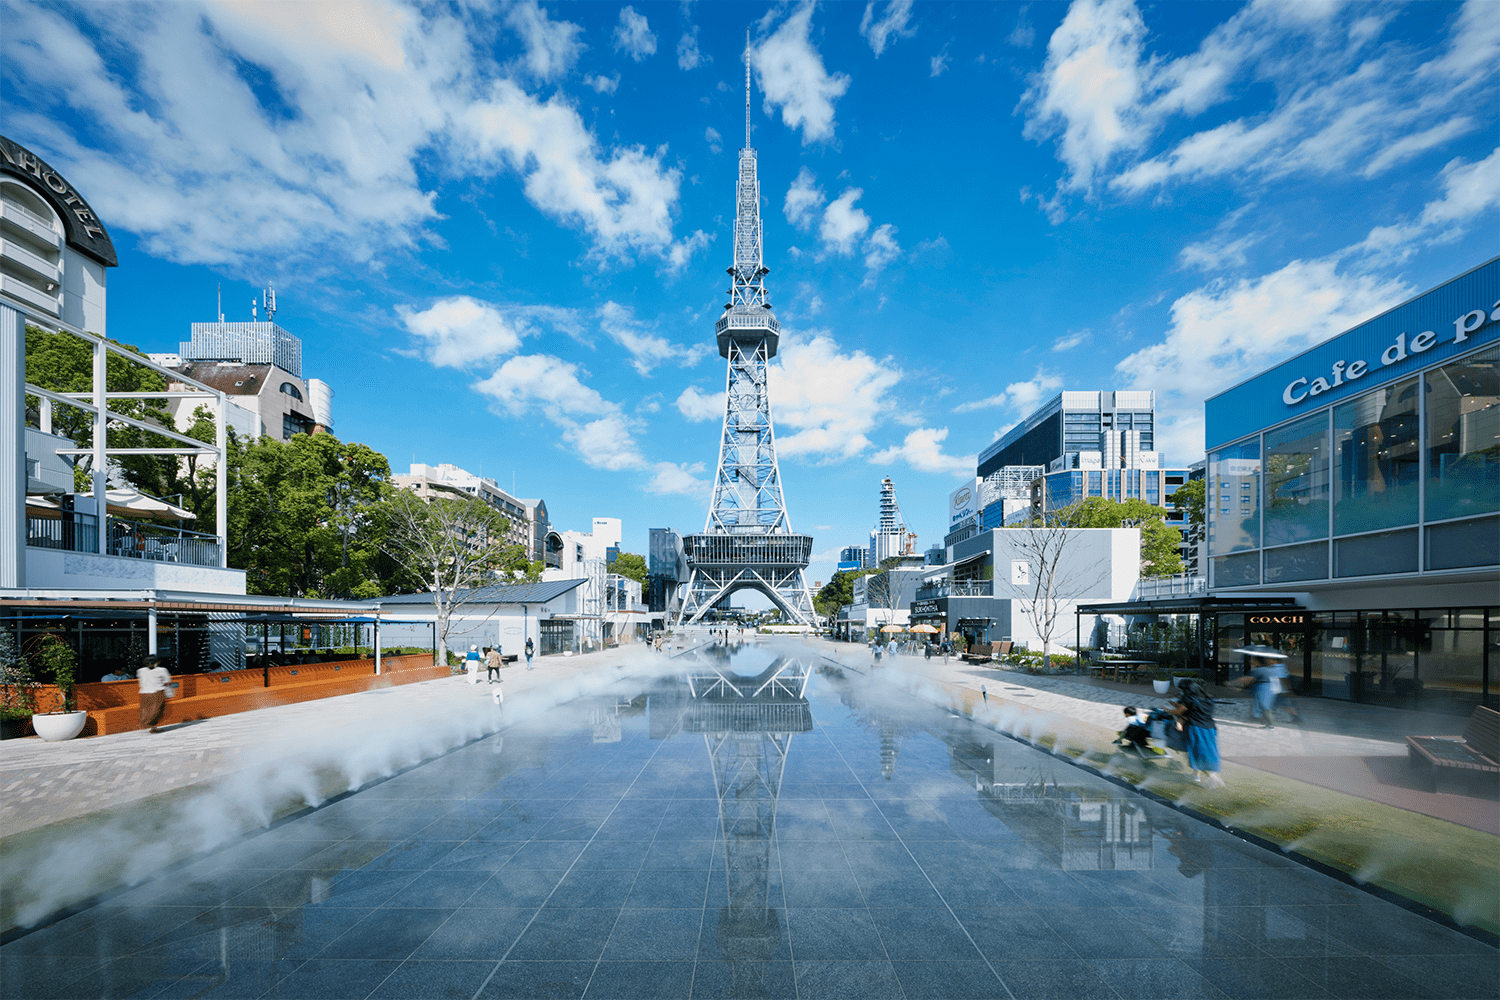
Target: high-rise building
890,537
527,524
1080,430
853,558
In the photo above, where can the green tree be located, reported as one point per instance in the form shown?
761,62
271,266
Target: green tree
630,566
1192,497
1159,540
836,593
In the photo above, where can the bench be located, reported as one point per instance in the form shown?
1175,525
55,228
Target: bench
1477,751
984,652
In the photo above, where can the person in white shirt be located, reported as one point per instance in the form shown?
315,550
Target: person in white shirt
153,678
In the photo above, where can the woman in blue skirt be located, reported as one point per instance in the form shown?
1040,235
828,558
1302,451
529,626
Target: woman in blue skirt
1197,712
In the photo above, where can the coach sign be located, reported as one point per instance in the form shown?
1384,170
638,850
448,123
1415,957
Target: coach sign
1277,620
82,229
1450,320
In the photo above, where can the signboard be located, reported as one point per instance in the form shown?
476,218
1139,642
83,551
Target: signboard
1090,460
926,608
84,232
1450,320
1278,619
963,502
1020,573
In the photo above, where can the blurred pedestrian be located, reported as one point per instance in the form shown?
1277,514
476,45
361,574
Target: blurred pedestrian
492,661
1197,712
471,664
1267,680
531,651
154,679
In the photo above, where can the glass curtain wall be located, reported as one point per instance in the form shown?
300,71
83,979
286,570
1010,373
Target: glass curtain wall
1367,472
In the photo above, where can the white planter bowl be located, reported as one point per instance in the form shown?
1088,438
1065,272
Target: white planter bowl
1161,687
56,726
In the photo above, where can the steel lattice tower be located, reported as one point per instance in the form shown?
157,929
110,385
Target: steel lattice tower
747,541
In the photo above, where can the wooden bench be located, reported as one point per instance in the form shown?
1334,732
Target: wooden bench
984,652
1477,751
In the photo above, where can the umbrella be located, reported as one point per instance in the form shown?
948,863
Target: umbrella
893,628
125,502
925,628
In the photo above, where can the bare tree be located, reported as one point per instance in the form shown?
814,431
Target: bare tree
886,589
451,545
1044,569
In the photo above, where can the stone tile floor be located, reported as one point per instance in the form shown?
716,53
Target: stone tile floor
912,856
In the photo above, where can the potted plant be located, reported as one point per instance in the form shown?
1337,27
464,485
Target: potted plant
57,662
16,687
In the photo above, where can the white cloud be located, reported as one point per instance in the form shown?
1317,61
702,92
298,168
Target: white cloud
317,165
714,139
647,349
625,199
1217,253
891,24
843,224
1023,35
633,36
552,47
605,444
923,451
603,84
1226,330
1018,397
541,380
793,78
939,62
461,330
1471,192
699,406
803,199
880,249
688,55
1340,106
670,477
829,399
1071,340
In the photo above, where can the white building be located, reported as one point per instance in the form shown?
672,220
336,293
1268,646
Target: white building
527,524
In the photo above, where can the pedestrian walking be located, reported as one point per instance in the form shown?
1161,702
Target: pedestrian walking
1197,712
1267,680
154,680
492,662
471,664
530,651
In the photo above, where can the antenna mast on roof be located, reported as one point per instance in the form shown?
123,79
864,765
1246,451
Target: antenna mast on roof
220,311
268,300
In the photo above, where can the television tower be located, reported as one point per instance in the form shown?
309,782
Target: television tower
747,540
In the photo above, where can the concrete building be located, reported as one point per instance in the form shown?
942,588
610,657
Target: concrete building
990,592
1071,428
526,520
667,567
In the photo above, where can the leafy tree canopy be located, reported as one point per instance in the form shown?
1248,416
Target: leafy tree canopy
1159,540
630,566
836,593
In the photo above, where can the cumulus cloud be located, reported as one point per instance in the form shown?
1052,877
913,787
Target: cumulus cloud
793,78
923,451
893,23
456,331
1339,106
316,165
803,200
670,477
1227,329
647,349
699,406
633,36
625,197
1471,192
688,55
552,47
880,249
602,84
843,224
828,397
1018,397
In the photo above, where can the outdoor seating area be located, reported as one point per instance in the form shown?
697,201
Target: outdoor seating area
1477,751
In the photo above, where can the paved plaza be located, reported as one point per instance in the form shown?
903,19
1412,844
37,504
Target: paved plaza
582,851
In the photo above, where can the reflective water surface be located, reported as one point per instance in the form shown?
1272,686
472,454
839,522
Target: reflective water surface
757,825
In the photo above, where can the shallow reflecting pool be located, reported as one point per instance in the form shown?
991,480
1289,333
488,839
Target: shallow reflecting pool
758,825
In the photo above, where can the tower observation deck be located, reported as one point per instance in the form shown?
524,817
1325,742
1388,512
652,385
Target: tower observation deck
747,541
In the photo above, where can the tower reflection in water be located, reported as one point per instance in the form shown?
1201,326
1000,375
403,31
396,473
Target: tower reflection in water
747,725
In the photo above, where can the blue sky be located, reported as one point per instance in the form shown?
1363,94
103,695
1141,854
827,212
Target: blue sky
502,231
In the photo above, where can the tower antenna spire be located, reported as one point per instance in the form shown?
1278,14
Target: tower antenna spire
747,88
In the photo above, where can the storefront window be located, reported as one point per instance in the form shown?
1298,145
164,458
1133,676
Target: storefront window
1452,658
1463,437
1234,498
1297,481
1377,457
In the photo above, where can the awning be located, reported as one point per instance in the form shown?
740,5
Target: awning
125,502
